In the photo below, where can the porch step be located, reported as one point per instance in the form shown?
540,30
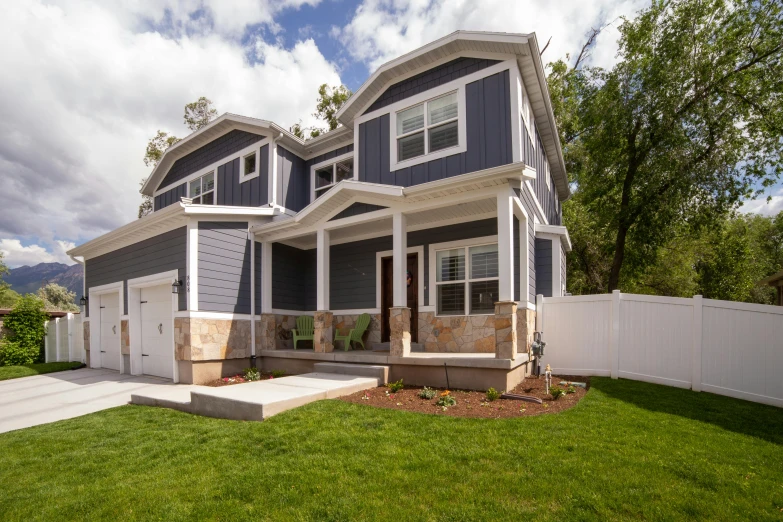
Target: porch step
361,370
172,397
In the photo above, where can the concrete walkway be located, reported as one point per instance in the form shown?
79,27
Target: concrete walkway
40,399
262,399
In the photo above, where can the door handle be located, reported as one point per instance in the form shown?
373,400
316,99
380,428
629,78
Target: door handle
114,329
160,328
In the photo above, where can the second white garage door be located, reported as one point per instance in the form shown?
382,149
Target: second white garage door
157,341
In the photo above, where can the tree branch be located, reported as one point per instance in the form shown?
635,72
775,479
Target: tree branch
547,45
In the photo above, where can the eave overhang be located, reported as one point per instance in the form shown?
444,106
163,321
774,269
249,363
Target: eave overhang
556,230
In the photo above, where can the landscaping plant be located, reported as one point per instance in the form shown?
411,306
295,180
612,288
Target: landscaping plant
27,326
446,400
492,394
252,374
394,387
556,392
427,393
277,373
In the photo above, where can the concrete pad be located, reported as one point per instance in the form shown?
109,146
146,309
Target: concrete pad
379,372
334,384
41,399
174,397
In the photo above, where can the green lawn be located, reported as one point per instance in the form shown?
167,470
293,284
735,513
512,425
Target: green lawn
14,372
629,450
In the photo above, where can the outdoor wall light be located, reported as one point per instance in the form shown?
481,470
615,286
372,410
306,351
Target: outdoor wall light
175,286
83,302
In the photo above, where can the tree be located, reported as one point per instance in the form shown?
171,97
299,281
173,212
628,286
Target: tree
7,296
197,114
59,298
330,101
680,130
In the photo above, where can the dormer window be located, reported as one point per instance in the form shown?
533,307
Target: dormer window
249,166
326,175
202,190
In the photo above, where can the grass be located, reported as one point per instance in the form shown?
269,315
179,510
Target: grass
629,450
26,370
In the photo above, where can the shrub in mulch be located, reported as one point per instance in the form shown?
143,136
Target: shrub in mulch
474,403
240,378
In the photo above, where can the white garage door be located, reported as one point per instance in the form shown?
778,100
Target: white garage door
157,341
110,331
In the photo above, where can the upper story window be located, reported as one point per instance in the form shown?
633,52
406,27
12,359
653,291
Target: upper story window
328,174
248,166
202,190
428,127
466,280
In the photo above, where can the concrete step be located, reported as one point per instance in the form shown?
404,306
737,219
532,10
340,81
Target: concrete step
175,397
260,400
378,371
384,347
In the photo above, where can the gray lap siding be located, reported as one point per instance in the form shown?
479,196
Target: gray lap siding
544,266
223,267
293,278
158,254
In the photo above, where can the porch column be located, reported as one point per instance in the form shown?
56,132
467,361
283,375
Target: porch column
399,314
505,245
506,330
266,327
323,322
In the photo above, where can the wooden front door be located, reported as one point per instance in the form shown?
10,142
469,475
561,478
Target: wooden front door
387,293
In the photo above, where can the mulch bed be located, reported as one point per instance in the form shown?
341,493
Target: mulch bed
236,379
475,403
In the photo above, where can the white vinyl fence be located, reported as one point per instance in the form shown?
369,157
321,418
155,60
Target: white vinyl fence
723,347
64,339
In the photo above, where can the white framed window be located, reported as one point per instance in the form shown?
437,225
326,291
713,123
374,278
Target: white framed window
202,189
248,166
428,129
327,174
466,279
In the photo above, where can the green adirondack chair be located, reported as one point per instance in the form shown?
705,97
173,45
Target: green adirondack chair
355,335
304,329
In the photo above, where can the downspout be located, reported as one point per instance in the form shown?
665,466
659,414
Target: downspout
252,237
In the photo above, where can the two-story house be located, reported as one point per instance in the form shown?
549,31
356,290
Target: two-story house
435,207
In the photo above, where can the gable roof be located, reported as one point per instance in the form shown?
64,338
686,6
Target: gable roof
528,56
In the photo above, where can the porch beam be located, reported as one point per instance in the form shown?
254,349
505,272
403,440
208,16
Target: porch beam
399,259
505,245
322,270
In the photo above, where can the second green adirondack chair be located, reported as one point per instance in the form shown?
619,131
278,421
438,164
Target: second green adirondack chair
304,329
355,335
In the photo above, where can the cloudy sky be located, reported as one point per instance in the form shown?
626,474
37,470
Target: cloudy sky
86,84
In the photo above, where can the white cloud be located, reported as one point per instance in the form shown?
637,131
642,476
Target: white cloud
15,254
84,89
762,206
381,30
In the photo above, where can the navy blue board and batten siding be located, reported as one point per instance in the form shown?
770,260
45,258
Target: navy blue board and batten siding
162,253
293,278
488,126
544,266
536,157
223,267
293,180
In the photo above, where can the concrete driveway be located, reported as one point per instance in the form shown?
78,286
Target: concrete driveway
40,399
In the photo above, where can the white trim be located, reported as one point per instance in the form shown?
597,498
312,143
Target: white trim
515,81
399,260
555,230
273,174
214,190
214,166
95,308
228,316
532,192
357,311
191,280
461,243
419,250
322,270
266,277
278,311
134,323
334,161
408,103
247,177
505,223
524,250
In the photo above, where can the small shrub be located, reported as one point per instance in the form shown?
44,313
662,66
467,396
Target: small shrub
394,387
556,392
427,393
570,389
252,374
14,354
492,394
446,400
27,325
277,373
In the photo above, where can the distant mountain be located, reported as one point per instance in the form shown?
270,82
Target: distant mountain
28,279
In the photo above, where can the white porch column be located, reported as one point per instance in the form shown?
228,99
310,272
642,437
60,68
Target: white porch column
266,278
400,260
322,270
505,246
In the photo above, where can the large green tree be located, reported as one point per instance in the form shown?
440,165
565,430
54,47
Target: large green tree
7,296
672,137
197,115
57,297
328,103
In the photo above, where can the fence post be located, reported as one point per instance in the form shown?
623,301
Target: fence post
698,303
539,313
57,339
614,351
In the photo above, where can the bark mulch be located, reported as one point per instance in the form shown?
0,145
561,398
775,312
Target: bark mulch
236,379
475,403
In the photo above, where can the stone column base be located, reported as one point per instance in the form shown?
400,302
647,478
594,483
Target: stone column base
526,326
506,330
323,339
400,331
265,332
